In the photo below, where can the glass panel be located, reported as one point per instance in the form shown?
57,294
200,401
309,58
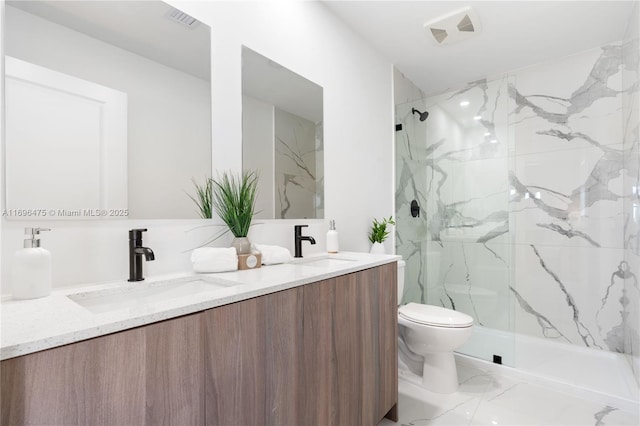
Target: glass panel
282,138
454,163
128,99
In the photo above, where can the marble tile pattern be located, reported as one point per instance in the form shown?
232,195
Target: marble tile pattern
631,243
297,148
404,90
497,397
530,200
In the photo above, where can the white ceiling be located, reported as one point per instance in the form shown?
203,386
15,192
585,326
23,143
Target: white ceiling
137,26
514,34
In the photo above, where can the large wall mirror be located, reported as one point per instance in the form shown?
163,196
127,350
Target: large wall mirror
108,109
282,138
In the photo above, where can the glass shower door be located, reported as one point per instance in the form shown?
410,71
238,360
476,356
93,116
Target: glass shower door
455,165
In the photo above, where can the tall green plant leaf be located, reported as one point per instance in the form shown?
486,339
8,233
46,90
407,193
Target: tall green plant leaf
234,199
203,198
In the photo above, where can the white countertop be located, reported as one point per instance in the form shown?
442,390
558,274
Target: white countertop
33,325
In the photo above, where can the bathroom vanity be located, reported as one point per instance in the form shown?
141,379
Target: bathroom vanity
308,343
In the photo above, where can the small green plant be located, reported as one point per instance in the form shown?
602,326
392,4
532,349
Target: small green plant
379,231
234,199
203,198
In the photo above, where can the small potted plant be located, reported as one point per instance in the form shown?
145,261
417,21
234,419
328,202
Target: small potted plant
233,199
379,233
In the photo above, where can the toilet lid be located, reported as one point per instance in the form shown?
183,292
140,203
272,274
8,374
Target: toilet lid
434,315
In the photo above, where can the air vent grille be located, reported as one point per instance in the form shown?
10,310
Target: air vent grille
465,24
181,18
453,27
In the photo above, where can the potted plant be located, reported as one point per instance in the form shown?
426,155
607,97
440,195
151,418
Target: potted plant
234,199
379,233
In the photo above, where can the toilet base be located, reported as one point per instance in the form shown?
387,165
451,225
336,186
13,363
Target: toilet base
439,373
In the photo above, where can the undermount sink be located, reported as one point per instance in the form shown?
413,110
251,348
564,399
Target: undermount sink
140,294
327,262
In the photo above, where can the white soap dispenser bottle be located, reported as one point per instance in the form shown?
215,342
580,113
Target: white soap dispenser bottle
332,238
31,272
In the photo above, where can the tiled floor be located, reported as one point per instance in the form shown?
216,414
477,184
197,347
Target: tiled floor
499,396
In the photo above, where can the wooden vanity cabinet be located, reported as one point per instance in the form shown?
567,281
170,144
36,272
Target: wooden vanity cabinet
352,374
320,354
252,360
148,375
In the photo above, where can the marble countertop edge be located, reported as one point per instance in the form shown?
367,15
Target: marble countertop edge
30,326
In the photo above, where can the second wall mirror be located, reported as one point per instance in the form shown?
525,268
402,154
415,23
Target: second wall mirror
282,138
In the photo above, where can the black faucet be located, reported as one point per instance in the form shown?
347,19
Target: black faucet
299,238
136,251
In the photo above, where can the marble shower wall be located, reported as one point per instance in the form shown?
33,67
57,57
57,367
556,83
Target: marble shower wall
631,119
527,196
298,168
412,175
567,190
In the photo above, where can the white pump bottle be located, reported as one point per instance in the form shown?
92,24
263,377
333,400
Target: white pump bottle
31,269
332,238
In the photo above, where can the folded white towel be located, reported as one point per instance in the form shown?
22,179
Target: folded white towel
273,254
214,259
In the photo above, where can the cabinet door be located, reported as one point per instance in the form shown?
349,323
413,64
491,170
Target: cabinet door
95,382
252,352
174,384
148,375
350,339
318,371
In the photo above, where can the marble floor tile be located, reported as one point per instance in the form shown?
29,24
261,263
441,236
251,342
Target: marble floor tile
490,396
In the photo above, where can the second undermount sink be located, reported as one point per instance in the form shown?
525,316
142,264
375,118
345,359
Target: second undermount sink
326,262
134,295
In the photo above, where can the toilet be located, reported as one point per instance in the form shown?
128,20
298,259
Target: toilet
432,333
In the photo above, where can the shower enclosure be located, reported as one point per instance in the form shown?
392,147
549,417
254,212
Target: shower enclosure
528,187
455,166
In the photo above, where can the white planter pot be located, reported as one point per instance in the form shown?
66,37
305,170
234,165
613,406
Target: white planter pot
377,248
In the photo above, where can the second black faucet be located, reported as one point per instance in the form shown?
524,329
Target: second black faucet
299,238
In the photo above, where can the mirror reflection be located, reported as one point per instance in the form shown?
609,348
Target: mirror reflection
282,138
108,109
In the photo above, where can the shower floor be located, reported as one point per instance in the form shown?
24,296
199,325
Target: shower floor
604,372
497,395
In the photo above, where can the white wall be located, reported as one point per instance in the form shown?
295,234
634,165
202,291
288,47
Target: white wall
358,111
257,130
306,38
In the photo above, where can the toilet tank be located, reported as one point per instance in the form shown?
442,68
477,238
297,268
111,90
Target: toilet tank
401,265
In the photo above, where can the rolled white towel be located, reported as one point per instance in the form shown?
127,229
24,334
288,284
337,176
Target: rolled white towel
272,255
214,259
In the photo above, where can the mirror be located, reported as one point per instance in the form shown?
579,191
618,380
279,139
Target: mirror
282,139
108,110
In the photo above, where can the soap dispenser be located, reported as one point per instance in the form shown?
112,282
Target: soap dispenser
31,272
332,238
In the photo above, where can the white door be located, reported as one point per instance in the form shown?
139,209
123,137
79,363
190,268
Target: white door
66,142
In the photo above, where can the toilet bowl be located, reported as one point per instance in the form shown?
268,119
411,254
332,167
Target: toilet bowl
432,333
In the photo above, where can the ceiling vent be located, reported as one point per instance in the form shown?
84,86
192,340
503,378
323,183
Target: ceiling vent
181,18
453,27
